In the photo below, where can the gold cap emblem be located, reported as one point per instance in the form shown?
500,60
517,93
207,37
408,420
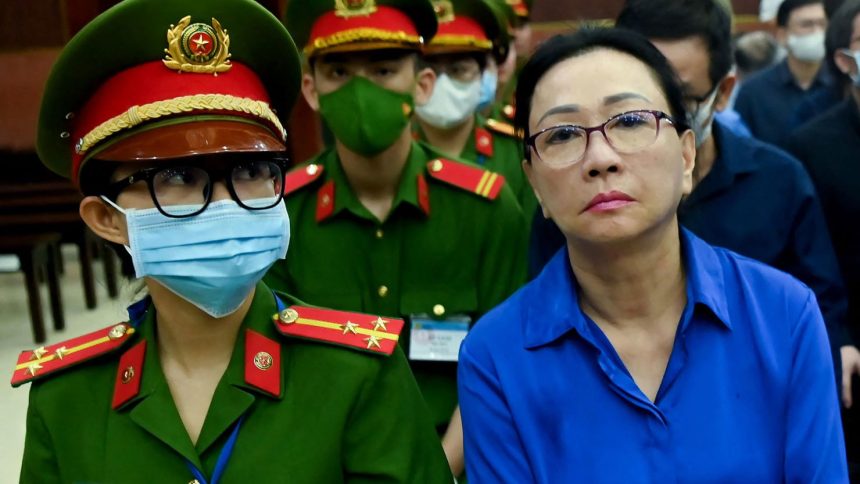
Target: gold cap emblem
197,47
444,11
354,8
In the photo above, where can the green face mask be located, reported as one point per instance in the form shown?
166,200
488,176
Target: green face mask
365,117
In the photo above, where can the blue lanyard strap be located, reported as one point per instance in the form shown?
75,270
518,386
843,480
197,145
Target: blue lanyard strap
279,303
223,458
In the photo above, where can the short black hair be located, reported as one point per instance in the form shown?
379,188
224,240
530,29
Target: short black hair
682,19
589,39
839,33
789,6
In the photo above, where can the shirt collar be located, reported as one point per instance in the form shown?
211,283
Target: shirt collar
822,77
344,198
554,310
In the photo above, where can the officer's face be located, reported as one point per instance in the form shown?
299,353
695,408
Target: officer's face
653,178
394,70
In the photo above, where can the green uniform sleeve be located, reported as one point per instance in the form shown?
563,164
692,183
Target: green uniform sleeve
389,438
39,465
502,268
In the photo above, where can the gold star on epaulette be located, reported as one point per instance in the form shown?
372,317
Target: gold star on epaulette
380,324
34,367
350,327
38,353
61,352
372,341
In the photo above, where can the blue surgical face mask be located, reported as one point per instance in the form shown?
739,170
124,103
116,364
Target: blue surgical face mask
489,81
212,260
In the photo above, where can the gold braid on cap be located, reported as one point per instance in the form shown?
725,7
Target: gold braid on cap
136,115
363,34
460,41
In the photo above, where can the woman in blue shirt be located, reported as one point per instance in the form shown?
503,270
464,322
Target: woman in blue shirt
640,353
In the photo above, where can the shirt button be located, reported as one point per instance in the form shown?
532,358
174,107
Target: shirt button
383,291
438,310
379,233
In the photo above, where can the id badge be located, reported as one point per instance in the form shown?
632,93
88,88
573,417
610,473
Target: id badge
437,340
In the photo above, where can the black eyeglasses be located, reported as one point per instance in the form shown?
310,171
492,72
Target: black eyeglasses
186,190
627,132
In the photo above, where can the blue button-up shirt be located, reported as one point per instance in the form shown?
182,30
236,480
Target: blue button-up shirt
772,104
747,395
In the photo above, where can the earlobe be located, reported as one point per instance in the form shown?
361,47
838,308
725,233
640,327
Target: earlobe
727,85
104,221
425,80
309,92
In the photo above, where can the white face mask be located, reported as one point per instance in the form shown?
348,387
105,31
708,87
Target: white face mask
702,120
807,48
855,75
452,102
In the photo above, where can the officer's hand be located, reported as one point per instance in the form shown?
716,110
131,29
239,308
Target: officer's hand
850,367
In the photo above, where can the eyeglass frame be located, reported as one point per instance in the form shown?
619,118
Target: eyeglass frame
113,189
658,115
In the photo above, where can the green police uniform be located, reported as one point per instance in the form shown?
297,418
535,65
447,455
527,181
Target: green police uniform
309,395
325,414
450,248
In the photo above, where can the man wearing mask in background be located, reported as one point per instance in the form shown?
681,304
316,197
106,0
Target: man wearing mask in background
768,100
829,146
748,196
518,12
470,30
382,221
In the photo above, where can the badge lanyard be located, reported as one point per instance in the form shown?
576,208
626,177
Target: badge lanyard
223,458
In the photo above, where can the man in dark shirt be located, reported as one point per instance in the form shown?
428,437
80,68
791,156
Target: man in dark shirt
768,101
829,146
749,197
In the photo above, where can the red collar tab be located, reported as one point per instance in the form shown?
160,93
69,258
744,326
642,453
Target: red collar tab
481,182
484,142
129,373
152,90
263,363
46,360
364,332
503,128
423,194
325,201
301,177
357,22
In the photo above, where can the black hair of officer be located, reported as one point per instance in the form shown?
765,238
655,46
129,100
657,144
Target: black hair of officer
789,6
677,20
563,47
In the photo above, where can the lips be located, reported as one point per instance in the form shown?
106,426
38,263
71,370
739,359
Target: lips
608,201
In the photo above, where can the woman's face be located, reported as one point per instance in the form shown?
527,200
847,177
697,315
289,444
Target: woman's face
607,196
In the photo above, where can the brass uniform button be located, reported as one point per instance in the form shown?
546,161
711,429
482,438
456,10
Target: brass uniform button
379,233
289,316
383,291
436,166
117,331
312,169
438,310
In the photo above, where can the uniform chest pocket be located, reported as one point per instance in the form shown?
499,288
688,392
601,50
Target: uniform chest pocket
437,322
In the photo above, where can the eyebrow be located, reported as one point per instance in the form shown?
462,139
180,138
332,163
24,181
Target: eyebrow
608,100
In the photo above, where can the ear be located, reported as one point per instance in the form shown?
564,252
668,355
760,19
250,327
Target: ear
844,62
309,91
724,91
688,157
529,171
424,82
104,220
781,36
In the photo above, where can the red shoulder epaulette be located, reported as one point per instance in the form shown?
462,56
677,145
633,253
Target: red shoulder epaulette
353,330
503,128
479,181
301,176
46,360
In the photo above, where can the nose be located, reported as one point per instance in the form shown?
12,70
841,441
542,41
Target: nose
599,157
220,191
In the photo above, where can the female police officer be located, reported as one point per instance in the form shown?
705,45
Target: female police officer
168,114
640,353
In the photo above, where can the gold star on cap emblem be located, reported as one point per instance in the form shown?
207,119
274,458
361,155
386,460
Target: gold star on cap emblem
33,368
372,341
38,353
380,323
61,352
349,327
